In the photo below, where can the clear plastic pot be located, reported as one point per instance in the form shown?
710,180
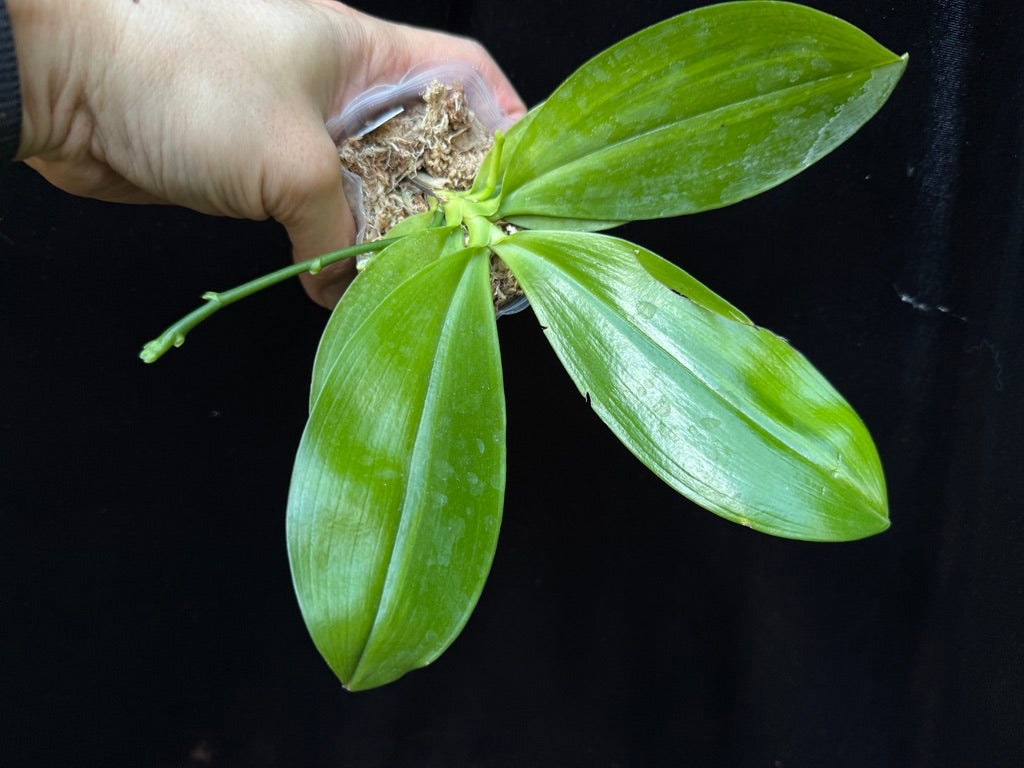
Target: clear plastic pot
374,106
378,104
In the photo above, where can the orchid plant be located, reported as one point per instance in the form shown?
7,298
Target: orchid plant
397,489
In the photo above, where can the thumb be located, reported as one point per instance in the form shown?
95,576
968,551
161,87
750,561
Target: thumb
309,201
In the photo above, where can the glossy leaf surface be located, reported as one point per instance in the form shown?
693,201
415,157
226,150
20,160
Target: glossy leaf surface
397,490
700,111
383,272
725,412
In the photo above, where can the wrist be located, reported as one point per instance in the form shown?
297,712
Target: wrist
60,47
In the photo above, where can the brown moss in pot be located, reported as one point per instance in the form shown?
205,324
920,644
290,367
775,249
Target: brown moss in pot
436,143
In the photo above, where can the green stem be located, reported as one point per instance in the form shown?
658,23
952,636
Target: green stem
174,336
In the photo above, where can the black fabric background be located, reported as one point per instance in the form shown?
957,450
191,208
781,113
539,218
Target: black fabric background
146,611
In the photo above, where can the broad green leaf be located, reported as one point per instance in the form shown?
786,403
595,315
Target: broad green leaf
382,274
397,490
700,111
725,412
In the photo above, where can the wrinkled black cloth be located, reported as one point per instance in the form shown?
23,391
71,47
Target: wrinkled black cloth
147,614
10,92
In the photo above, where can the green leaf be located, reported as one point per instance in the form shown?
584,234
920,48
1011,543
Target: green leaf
397,490
382,273
700,111
725,412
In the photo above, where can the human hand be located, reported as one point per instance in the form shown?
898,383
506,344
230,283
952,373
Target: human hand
217,105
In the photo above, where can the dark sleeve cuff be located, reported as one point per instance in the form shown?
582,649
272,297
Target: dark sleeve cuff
10,92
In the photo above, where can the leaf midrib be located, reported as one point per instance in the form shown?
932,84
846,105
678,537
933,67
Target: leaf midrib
428,405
